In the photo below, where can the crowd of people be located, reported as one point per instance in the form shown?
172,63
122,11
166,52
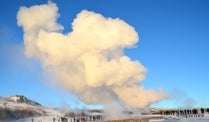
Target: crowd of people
195,112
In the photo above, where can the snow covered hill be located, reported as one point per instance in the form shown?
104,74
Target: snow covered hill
19,99
16,107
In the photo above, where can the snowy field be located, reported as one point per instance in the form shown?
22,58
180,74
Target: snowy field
40,119
183,119
57,119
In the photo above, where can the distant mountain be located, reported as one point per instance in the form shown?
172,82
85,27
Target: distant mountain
18,106
19,99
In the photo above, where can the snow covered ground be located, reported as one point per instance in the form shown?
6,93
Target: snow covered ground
181,120
58,119
41,119
204,118
24,106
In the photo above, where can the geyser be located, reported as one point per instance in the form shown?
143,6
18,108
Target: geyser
89,61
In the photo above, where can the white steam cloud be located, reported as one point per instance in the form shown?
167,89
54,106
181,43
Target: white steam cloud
89,61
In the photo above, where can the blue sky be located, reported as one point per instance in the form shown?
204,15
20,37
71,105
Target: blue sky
173,46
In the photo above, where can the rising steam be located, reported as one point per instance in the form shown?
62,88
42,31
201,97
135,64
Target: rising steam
89,61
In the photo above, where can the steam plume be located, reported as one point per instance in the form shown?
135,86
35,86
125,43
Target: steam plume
89,61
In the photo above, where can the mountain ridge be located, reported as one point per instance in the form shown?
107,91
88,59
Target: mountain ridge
19,99
19,106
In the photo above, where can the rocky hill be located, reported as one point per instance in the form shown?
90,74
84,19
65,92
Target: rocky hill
19,99
18,106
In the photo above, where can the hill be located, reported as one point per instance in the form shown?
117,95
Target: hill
18,106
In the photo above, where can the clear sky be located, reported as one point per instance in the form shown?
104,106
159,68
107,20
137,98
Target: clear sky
173,46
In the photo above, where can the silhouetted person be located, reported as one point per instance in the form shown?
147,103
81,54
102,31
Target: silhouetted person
202,110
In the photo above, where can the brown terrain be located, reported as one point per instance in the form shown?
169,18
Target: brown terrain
135,119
